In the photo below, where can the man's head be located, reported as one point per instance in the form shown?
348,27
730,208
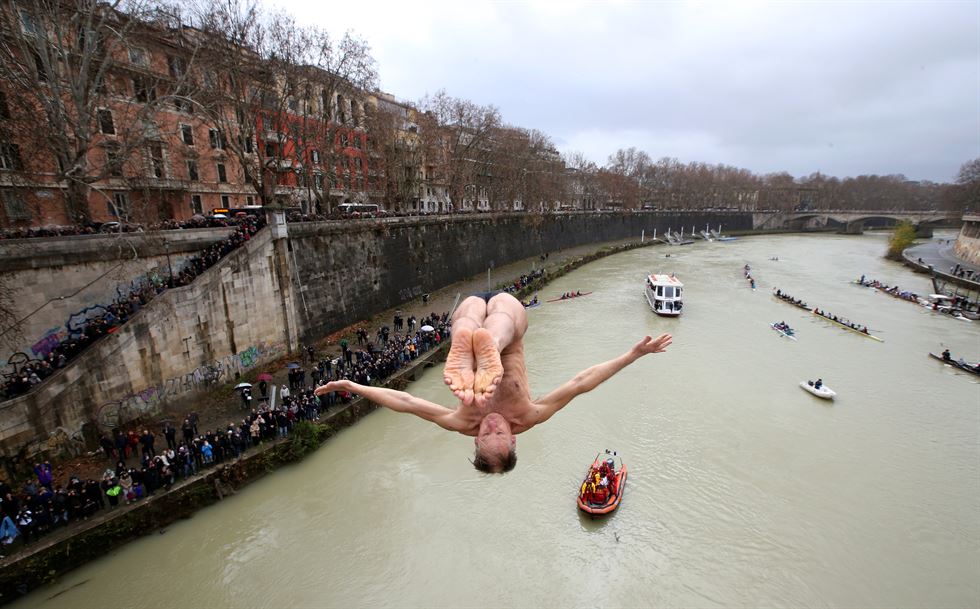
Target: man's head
496,446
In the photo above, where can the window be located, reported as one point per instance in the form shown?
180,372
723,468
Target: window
28,24
143,91
137,56
42,72
315,155
119,205
177,66
187,134
249,200
105,122
247,144
192,171
293,104
156,161
225,201
216,139
10,156
4,108
113,164
182,104
270,150
196,207
14,207
222,174
344,140
357,142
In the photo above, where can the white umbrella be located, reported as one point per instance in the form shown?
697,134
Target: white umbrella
427,328
243,386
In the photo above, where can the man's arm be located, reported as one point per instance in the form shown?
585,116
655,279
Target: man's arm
399,401
590,378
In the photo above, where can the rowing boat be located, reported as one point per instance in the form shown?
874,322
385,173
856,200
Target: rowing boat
964,366
847,327
789,302
782,332
570,297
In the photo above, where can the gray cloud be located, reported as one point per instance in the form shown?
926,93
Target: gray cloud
843,88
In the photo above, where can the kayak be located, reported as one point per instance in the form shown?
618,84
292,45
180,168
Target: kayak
964,366
615,496
570,297
783,332
824,392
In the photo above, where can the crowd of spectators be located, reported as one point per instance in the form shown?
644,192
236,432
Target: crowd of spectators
142,467
95,228
23,377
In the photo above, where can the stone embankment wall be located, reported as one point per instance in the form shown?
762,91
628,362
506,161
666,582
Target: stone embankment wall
967,245
263,299
61,281
185,340
349,272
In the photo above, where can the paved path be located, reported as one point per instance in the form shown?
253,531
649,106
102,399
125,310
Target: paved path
940,255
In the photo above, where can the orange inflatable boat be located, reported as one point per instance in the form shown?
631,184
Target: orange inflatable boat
602,490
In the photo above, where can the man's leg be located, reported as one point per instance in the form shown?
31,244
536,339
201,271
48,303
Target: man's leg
506,322
460,363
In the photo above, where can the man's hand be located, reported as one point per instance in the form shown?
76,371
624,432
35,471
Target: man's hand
341,385
652,345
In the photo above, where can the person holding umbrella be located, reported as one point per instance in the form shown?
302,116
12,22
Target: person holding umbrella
486,371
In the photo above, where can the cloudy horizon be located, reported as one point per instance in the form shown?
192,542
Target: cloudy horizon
841,88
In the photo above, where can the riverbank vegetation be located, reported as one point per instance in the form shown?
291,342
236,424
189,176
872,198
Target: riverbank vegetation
902,238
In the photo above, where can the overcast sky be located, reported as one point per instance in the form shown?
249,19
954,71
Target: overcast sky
845,88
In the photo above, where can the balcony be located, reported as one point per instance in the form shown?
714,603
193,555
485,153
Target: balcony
154,183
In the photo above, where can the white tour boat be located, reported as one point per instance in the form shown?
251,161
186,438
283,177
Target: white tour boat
664,294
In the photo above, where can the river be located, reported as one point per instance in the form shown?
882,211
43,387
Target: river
744,490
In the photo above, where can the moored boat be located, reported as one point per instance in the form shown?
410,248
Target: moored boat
602,490
664,294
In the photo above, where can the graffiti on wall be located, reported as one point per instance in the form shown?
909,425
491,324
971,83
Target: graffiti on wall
59,442
148,401
75,324
410,293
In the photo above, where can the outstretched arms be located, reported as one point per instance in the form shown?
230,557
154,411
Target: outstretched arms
590,378
399,401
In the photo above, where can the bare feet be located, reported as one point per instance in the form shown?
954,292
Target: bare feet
458,373
489,370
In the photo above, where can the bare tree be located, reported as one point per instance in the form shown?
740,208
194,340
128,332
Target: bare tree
393,138
72,63
273,90
458,138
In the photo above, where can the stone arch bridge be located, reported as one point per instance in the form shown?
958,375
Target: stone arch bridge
852,221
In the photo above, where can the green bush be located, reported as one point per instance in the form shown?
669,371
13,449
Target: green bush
902,238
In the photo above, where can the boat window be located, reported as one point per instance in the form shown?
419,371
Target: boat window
660,290
669,292
678,292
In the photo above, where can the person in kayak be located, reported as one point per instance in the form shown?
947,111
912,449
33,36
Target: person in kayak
486,371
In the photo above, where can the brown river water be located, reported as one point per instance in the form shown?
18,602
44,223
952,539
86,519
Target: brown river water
744,490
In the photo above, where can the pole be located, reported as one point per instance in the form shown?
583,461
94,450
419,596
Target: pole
166,248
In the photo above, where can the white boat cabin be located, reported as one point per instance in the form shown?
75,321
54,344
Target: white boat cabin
665,294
